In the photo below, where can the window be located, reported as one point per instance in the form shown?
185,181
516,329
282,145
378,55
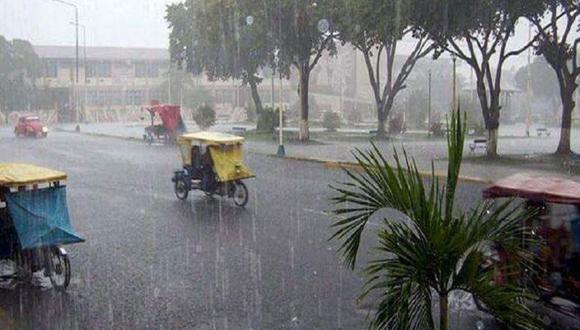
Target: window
98,69
145,69
50,69
135,97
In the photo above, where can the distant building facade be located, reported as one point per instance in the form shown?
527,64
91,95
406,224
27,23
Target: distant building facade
108,78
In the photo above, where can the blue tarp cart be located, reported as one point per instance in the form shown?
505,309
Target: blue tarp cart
35,222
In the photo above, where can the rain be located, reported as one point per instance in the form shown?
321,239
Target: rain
289,164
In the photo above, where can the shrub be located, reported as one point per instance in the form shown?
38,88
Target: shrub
330,120
397,124
269,119
204,116
354,117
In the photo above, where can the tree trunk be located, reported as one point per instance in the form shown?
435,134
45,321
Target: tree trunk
304,82
257,103
443,313
567,93
381,132
492,142
383,112
564,144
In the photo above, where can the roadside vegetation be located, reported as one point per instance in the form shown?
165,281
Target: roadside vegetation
433,249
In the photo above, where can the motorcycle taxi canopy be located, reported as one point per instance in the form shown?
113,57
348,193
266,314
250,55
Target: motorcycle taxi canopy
550,189
225,151
15,175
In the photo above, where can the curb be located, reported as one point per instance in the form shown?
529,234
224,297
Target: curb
125,138
328,163
345,165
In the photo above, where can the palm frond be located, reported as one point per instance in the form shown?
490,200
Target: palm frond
379,185
455,140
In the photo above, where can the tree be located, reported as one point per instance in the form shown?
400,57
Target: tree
226,39
558,44
485,27
179,87
204,116
543,82
331,121
374,35
435,248
19,67
303,32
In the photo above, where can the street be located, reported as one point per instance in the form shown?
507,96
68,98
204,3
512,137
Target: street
151,261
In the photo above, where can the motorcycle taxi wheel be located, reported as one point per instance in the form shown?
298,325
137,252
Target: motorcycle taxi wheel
181,190
240,195
58,268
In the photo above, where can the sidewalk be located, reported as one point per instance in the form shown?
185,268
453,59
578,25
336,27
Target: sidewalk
423,151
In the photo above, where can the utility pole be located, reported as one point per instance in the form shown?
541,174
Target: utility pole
272,95
77,53
429,104
84,64
529,85
454,102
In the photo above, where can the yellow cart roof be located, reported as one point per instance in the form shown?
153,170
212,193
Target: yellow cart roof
212,138
15,174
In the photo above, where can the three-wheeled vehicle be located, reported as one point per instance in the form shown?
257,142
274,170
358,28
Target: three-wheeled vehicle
213,163
35,223
171,123
557,226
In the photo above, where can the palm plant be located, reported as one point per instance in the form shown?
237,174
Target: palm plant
436,250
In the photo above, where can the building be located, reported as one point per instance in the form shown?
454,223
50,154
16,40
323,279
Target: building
110,78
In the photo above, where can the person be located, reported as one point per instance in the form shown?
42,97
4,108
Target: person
195,162
208,176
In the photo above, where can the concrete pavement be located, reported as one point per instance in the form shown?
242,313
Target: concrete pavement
153,262
424,151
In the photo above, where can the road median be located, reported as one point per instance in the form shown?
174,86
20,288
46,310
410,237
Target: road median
331,164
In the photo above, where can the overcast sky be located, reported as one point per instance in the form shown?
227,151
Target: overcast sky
124,23
121,23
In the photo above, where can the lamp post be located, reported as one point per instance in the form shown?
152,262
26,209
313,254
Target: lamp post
76,50
529,85
281,150
429,105
84,64
454,102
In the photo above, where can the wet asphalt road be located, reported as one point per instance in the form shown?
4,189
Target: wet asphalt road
151,261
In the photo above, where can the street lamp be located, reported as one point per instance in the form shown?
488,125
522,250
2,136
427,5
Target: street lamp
77,33
84,63
454,102
281,150
76,49
429,110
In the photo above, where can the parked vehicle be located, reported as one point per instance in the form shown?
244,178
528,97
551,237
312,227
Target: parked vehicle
171,124
30,126
557,226
542,131
213,163
478,145
35,223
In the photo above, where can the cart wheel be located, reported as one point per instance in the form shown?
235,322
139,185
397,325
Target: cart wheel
240,194
181,190
58,266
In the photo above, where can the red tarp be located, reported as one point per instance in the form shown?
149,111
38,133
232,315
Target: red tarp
170,115
551,189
